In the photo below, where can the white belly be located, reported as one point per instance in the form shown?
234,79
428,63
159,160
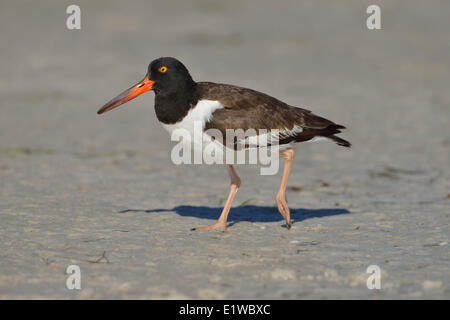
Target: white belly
193,124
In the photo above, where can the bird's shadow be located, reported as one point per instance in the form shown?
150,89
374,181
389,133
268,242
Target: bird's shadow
246,213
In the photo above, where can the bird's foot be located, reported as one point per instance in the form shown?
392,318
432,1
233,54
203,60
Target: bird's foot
283,208
218,225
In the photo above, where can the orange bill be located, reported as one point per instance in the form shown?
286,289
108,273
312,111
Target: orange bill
129,94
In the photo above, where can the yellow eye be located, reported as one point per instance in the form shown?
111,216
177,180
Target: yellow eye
162,69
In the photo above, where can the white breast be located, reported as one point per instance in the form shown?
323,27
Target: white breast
201,113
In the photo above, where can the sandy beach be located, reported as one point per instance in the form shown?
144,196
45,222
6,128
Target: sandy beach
101,192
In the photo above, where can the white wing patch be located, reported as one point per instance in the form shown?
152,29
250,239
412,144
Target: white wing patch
271,137
290,132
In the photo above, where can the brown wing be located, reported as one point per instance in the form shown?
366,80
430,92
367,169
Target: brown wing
249,109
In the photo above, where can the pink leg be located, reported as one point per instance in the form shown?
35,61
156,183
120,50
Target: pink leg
280,198
222,222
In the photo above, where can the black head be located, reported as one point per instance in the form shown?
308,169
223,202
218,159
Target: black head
169,75
166,76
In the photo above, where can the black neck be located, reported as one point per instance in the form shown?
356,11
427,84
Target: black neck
172,106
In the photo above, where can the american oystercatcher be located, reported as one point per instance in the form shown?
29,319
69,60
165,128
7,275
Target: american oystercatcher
180,102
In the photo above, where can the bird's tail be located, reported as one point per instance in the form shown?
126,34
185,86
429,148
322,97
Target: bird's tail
335,129
340,141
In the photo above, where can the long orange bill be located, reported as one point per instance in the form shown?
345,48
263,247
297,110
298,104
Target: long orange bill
131,93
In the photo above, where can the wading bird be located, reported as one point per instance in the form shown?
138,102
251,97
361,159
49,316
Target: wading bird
180,102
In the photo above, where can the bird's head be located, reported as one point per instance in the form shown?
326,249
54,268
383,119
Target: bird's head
164,76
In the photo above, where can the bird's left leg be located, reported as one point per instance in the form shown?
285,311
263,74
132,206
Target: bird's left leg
222,222
280,199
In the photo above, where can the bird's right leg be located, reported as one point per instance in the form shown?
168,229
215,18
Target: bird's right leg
234,187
